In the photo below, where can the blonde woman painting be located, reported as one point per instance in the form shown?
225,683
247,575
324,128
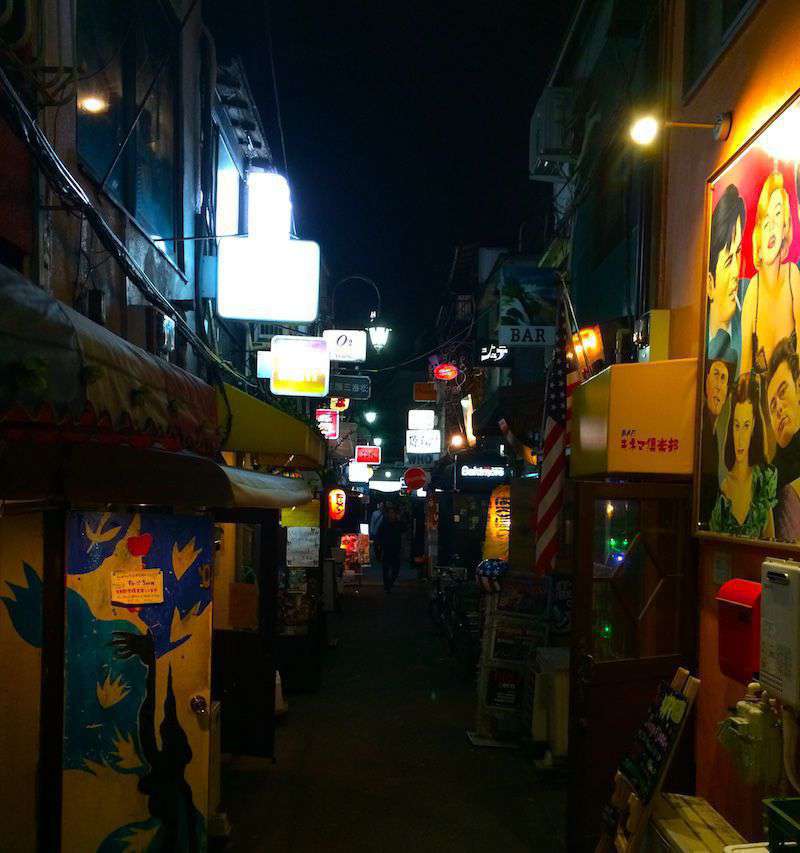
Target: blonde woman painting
747,496
771,309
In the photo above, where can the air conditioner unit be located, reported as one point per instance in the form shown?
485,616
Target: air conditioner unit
263,334
551,134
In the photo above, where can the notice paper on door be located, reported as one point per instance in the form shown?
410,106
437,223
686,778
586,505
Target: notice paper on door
144,586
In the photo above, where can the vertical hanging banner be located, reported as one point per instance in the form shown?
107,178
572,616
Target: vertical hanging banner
498,524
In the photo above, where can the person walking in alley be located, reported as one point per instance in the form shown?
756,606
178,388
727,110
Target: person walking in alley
388,540
374,522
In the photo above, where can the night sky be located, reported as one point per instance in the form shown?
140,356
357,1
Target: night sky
406,134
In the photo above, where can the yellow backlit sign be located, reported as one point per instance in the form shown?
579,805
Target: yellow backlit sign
498,524
300,366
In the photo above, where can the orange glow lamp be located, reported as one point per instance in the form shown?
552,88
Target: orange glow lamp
446,371
337,503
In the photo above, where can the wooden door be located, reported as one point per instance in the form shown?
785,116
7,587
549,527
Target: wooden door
243,677
633,624
137,667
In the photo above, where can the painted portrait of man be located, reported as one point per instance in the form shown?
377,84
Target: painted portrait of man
716,386
724,286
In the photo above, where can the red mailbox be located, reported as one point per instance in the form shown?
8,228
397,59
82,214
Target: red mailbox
739,619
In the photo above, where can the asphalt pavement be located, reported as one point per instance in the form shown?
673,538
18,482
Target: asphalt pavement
378,759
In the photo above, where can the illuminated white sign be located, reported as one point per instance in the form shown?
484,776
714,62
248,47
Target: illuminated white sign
300,366
494,352
421,418
267,275
346,345
423,441
263,364
358,472
386,485
482,471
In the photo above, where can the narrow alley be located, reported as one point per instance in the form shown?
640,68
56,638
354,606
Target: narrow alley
389,683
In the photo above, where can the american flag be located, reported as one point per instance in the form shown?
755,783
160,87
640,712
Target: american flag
562,381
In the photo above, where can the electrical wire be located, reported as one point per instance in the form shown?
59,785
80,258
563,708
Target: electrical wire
464,333
276,95
74,197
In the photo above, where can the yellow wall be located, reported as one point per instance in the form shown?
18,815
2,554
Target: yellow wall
20,678
224,576
755,77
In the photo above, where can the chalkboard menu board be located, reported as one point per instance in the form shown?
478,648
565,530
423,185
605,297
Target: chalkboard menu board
654,742
642,771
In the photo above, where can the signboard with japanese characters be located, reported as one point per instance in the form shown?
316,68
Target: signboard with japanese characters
423,441
328,423
355,387
636,419
369,454
302,546
495,354
140,586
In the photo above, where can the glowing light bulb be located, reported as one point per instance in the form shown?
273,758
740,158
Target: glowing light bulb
644,130
93,104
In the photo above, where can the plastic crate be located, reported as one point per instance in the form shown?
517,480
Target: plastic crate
783,823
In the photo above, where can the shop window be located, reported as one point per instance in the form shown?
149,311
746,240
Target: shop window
123,47
709,27
229,190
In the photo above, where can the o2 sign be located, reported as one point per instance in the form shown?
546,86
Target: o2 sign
346,344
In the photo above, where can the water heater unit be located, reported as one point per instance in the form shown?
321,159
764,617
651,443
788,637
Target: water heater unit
780,630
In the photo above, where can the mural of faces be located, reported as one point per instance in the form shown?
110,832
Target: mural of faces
750,429
717,387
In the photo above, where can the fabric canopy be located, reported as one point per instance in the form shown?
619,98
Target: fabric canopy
99,474
64,378
278,438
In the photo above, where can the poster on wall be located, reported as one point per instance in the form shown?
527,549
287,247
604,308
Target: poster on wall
749,444
302,546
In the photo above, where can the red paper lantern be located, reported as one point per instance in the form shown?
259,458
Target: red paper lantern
337,502
445,371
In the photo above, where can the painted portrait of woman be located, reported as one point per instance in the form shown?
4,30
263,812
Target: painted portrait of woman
771,309
747,496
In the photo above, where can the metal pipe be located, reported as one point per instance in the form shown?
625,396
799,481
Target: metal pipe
699,124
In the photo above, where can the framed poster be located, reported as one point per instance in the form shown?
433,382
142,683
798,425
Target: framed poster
748,484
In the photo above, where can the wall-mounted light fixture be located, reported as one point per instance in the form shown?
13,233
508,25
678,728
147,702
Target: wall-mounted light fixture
645,128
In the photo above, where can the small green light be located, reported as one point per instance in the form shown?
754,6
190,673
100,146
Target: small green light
612,542
624,541
607,630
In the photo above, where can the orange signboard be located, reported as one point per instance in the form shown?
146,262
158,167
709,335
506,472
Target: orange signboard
424,392
636,418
